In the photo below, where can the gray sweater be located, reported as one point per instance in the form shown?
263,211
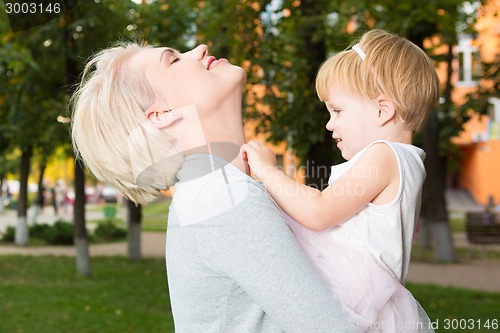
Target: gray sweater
233,264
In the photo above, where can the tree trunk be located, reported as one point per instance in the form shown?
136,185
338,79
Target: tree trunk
134,218
434,215
320,155
22,234
433,199
424,231
83,262
319,162
2,198
434,210
443,239
40,199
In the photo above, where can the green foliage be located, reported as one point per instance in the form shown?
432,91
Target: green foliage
62,233
296,46
59,233
488,87
292,64
38,230
165,23
108,231
9,235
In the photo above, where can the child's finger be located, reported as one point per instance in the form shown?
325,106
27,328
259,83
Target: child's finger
254,143
243,150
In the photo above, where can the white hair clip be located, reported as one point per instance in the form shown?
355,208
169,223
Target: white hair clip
359,51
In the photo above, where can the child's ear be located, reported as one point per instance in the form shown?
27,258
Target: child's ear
386,110
160,117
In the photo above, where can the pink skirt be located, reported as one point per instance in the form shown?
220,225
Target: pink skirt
375,299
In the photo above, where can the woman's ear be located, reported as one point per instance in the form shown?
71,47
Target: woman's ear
162,118
386,110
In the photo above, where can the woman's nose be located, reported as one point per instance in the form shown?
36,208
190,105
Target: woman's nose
198,52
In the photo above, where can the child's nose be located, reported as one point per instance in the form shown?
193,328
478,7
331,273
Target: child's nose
198,52
330,126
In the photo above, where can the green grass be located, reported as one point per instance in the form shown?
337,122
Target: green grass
154,215
428,256
444,304
44,295
457,221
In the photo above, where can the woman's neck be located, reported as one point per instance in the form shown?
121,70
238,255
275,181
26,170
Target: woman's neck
223,129
214,129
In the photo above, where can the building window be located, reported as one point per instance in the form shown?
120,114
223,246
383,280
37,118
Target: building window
469,62
494,108
494,118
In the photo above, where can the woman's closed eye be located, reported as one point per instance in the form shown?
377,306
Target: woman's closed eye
174,60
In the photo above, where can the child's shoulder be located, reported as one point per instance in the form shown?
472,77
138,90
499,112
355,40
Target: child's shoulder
394,157
387,149
381,151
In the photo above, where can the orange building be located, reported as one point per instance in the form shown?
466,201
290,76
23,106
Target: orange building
285,156
479,142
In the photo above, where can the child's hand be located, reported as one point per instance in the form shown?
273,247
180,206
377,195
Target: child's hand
260,158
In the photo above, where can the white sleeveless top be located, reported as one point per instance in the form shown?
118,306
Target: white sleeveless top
386,231
365,259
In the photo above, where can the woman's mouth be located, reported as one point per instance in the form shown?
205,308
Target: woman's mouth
213,62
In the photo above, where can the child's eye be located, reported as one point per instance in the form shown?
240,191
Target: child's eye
336,110
174,60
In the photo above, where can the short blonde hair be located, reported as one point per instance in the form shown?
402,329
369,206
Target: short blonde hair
393,66
108,109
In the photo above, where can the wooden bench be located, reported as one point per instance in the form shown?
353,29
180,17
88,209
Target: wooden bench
481,231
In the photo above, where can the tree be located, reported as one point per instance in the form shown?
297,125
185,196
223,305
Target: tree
27,109
134,218
8,163
88,27
42,60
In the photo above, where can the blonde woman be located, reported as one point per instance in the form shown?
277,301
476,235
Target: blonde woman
147,118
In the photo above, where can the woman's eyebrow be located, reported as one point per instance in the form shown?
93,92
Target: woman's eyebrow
169,53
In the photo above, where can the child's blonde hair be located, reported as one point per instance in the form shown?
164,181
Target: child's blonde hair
108,112
393,66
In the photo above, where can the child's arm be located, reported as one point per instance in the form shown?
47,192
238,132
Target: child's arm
375,174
